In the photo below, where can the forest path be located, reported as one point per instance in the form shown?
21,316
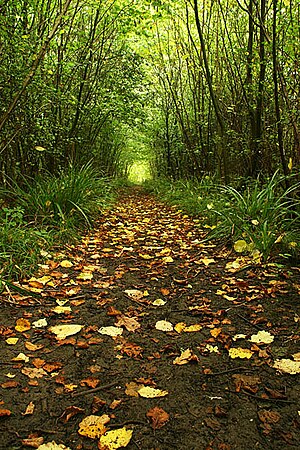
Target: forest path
157,313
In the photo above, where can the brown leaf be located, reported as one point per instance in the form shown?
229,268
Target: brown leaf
158,417
130,323
115,403
38,362
29,409
70,412
247,382
33,347
52,367
214,424
97,404
9,384
33,442
90,382
5,412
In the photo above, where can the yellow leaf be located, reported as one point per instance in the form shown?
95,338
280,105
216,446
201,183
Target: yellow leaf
168,259
115,439
22,325
211,348
158,302
192,328
53,446
149,392
12,341
240,353
111,331
262,337
287,366
215,332
180,327
62,331
21,357
93,426
206,261
185,357
164,325
40,323
62,309
290,164
65,263
43,280
240,246
145,256
85,276
233,265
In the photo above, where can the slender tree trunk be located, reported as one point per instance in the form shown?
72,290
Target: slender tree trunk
276,94
213,97
39,58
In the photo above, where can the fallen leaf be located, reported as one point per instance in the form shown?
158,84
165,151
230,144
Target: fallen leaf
41,323
70,412
34,442
149,392
33,347
115,439
212,423
164,325
130,323
240,246
185,357
132,389
21,357
5,412
53,446
66,264
22,325
9,384
90,382
158,417
93,426
206,261
62,309
11,340
111,331
287,366
85,276
62,331
33,372
215,332
29,409
158,302
240,353
262,337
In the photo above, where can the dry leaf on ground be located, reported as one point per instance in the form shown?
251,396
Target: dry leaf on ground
111,331
149,392
164,325
158,417
240,353
115,439
287,366
93,426
185,357
262,337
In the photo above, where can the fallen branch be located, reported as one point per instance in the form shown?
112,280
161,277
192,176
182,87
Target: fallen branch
99,388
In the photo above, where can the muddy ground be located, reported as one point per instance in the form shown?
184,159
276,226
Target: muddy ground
211,399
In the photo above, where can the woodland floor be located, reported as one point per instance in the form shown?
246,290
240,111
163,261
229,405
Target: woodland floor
214,401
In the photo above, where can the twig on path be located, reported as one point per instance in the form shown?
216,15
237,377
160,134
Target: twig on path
250,323
128,422
264,399
91,391
228,371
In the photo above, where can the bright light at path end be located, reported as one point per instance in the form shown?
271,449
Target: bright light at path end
139,172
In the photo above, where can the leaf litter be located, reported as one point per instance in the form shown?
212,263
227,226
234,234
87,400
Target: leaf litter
166,337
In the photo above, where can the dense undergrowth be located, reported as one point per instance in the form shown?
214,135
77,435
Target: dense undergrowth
261,219
38,214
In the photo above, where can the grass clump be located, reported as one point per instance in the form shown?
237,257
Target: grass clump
266,216
45,210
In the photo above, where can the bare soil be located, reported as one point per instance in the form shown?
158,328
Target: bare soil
214,401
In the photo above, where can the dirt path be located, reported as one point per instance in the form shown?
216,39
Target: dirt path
142,270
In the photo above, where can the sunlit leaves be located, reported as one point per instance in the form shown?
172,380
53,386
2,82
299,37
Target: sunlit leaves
62,331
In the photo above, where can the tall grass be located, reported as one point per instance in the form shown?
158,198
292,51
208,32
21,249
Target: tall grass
45,210
265,215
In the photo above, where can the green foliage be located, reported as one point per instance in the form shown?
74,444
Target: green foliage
20,244
265,215
75,195
46,210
